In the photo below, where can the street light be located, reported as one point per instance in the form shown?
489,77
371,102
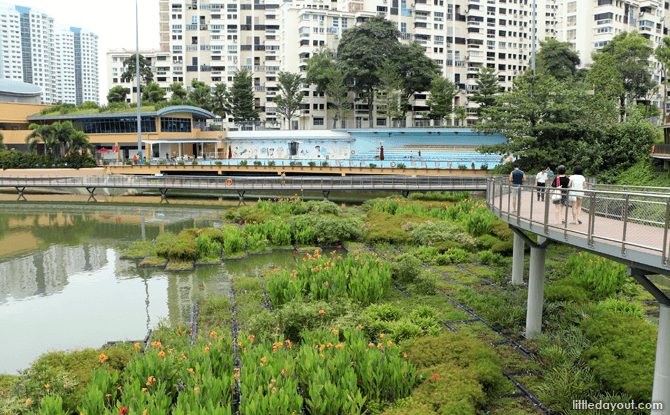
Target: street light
533,37
137,67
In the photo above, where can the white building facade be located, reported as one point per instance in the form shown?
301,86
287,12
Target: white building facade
62,60
161,67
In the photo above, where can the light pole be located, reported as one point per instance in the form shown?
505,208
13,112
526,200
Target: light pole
533,37
137,67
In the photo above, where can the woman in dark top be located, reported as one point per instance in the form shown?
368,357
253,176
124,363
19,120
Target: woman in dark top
564,183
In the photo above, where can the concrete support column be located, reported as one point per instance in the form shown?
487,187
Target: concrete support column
517,260
661,391
118,153
535,290
181,152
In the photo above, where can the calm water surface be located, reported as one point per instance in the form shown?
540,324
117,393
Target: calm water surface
63,286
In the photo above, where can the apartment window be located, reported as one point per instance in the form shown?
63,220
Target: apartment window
115,80
318,121
572,34
403,27
381,121
572,20
194,19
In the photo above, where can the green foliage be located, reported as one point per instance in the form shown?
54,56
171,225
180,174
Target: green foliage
441,98
69,374
406,269
299,316
325,230
207,248
290,97
178,90
622,352
557,59
138,249
130,66
153,93
431,233
507,309
457,374
15,159
242,104
453,256
437,196
488,87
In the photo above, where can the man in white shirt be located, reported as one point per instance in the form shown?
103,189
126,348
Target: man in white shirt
541,181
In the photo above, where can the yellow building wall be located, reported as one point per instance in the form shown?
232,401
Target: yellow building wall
11,112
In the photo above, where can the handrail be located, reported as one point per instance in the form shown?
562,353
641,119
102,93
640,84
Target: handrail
629,221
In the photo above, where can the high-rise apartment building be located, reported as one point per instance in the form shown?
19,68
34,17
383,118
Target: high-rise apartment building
210,41
62,60
161,67
590,25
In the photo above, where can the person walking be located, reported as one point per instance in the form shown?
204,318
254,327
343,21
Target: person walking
541,181
517,178
283,178
563,183
578,182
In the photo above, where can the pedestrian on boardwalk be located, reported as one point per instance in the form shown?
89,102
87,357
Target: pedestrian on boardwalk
541,182
578,182
517,178
283,178
560,197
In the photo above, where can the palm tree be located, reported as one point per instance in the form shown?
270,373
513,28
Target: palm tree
79,140
2,145
42,134
62,134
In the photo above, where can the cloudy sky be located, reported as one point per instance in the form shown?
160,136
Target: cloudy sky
113,22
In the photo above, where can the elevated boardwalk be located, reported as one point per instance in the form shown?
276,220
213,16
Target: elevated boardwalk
630,227
404,184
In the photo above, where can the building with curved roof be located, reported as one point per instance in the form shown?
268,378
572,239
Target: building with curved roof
19,92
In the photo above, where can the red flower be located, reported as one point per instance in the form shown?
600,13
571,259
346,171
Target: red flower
435,377
339,246
123,410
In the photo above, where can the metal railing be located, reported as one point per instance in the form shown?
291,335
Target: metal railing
613,222
424,183
212,159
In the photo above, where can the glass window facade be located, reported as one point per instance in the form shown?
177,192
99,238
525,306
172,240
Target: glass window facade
114,125
175,125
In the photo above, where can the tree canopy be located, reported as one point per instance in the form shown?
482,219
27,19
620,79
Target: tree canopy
488,87
130,72
242,102
153,93
441,98
557,59
290,95
118,94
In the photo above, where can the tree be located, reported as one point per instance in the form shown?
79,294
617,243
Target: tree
2,144
79,141
388,95
487,89
153,93
548,122
416,71
41,134
337,92
662,53
288,102
319,68
221,101
441,98
201,95
130,65
621,69
62,133
178,90
461,115
362,50
117,94
557,59
242,102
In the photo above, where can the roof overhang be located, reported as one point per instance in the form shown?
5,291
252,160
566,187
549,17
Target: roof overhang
182,140
198,113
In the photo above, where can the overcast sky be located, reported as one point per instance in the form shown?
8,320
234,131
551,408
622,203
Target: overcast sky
113,22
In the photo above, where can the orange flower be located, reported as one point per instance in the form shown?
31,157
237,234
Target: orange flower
381,336
103,358
371,345
327,281
264,359
404,355
212,334
335,331
339,346
161,354
197,390
47,386
329,345
108,396
322,347
170,351
320,355
137,347
28,402
379,346
183,356
151,380
389,343
207,349
274,390
145,412
321,312
144,390
190,370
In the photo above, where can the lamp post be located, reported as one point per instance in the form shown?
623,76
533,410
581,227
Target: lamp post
137,67
534,13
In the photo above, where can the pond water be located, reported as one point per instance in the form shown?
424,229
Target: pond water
64,286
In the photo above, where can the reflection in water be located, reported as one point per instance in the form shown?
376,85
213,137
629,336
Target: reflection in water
64,286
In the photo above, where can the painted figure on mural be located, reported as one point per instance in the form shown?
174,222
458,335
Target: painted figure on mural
280,152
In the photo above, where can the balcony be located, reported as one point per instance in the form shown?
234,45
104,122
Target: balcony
259,88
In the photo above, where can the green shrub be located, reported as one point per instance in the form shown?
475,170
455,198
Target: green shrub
453,256
312,163
372,165
492,259
243,163
431,233
622,352
567,289
401,165
501,230
487,241
326,230
406,269
622,306
297,316
504,248
207,248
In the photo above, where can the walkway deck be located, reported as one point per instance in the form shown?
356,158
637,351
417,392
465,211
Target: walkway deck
631,228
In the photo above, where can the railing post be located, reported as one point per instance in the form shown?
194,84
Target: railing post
547,206
665,232
625,225
592,213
